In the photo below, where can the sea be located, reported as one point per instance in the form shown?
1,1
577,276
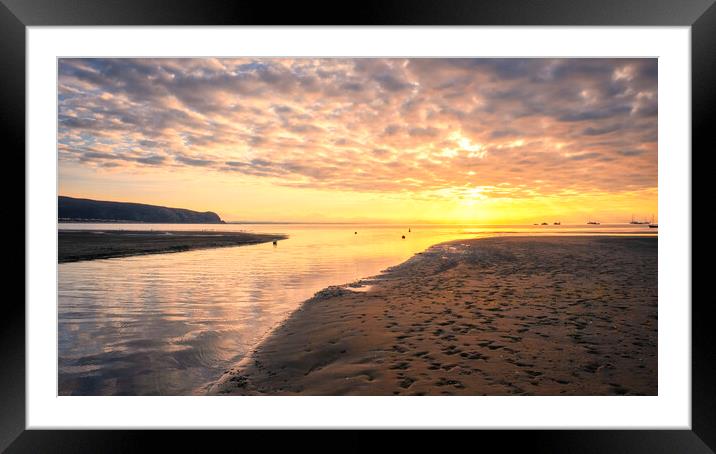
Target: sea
171,324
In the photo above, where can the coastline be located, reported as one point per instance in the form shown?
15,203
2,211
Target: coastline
493,316
81,245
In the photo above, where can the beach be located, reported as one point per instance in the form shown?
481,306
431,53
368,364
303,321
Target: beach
562,315
78,245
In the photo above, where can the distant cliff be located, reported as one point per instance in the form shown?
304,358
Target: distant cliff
85,210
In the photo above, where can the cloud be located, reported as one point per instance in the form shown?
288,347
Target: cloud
630,152
194,161
592,131
151,160
391,83
423,132
375,125
585,156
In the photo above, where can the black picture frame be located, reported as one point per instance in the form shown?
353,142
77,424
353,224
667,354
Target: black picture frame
16,15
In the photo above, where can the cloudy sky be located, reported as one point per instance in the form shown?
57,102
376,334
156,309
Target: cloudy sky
442,140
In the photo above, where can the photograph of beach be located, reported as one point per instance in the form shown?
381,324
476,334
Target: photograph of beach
357,226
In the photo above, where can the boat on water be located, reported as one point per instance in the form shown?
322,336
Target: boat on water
593,222
558,223
653,225
544,223
638,222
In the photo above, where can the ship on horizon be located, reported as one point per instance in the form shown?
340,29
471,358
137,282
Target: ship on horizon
635,221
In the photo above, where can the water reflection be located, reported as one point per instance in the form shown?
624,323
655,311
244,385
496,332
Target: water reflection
172,323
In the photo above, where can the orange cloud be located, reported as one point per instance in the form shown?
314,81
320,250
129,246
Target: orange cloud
433,128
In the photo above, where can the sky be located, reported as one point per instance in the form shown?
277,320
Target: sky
484,141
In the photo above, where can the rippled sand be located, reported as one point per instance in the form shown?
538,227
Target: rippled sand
496,316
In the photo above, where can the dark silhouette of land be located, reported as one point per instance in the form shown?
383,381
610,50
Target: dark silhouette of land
85,210
76,245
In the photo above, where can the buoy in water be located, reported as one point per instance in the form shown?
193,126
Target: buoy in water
355,233
403,236
275,242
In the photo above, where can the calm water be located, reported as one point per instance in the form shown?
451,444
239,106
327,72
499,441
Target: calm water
172,323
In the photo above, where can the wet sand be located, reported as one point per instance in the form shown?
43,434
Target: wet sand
496,316
76,245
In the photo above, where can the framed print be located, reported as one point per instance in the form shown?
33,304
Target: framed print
421,216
